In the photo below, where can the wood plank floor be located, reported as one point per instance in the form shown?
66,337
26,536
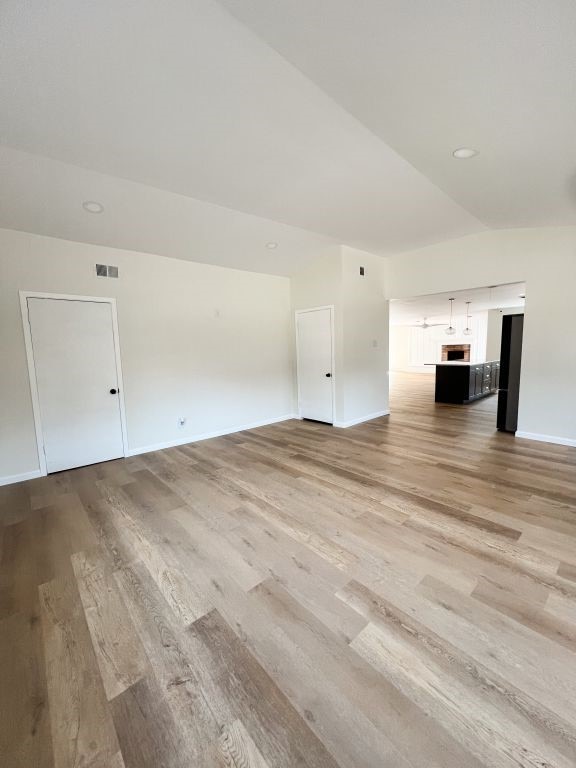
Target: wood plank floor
401,593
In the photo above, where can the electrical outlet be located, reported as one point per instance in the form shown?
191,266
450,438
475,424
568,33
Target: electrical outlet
181,421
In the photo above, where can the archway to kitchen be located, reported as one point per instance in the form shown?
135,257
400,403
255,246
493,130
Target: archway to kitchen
455,357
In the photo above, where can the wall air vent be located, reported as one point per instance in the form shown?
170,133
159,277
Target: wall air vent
106,270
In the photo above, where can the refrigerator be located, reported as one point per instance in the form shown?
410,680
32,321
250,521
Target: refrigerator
510,364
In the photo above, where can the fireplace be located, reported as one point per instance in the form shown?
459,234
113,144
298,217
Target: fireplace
452,352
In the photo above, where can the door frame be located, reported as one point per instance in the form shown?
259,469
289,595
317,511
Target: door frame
24,296
332,355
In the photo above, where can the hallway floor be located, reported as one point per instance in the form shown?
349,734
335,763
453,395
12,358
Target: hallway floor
401,593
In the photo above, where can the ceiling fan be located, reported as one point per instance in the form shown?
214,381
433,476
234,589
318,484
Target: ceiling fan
425,325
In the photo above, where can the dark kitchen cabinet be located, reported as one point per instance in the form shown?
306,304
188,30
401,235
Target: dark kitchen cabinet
478,380
495,377
464,383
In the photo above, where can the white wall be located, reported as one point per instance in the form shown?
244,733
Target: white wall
546,259
320,285
417,349
361,327
216,345
208,343
400,347
365,341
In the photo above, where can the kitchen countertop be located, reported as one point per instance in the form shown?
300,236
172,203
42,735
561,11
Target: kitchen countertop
464,362
457,362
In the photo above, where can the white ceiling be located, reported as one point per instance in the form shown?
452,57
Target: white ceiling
430,76
45,197
436,307
330,116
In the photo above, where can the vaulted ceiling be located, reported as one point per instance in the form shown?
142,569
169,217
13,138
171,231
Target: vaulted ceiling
333,117
429,76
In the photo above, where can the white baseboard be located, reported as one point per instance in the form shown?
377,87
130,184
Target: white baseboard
9,479
547,438
361,420
207,435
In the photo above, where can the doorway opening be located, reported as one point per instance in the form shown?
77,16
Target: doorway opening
458,354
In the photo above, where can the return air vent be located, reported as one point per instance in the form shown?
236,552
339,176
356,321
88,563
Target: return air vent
106,270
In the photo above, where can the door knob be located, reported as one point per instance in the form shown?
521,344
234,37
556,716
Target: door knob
328,375
113,391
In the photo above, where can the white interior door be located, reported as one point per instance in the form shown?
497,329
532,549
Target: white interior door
314,342
77,381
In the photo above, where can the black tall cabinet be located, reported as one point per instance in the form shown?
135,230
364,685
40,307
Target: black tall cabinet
510,362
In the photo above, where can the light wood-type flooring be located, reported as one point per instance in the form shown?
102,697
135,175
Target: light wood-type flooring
401,593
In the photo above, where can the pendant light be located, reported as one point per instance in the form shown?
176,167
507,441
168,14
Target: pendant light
467,331
450,331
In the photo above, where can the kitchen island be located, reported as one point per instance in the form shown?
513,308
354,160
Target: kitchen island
462,382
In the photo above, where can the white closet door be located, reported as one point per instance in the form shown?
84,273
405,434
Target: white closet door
315,392
77,381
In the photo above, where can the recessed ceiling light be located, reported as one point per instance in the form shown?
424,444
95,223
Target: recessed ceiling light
464,153
271,245
91,206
